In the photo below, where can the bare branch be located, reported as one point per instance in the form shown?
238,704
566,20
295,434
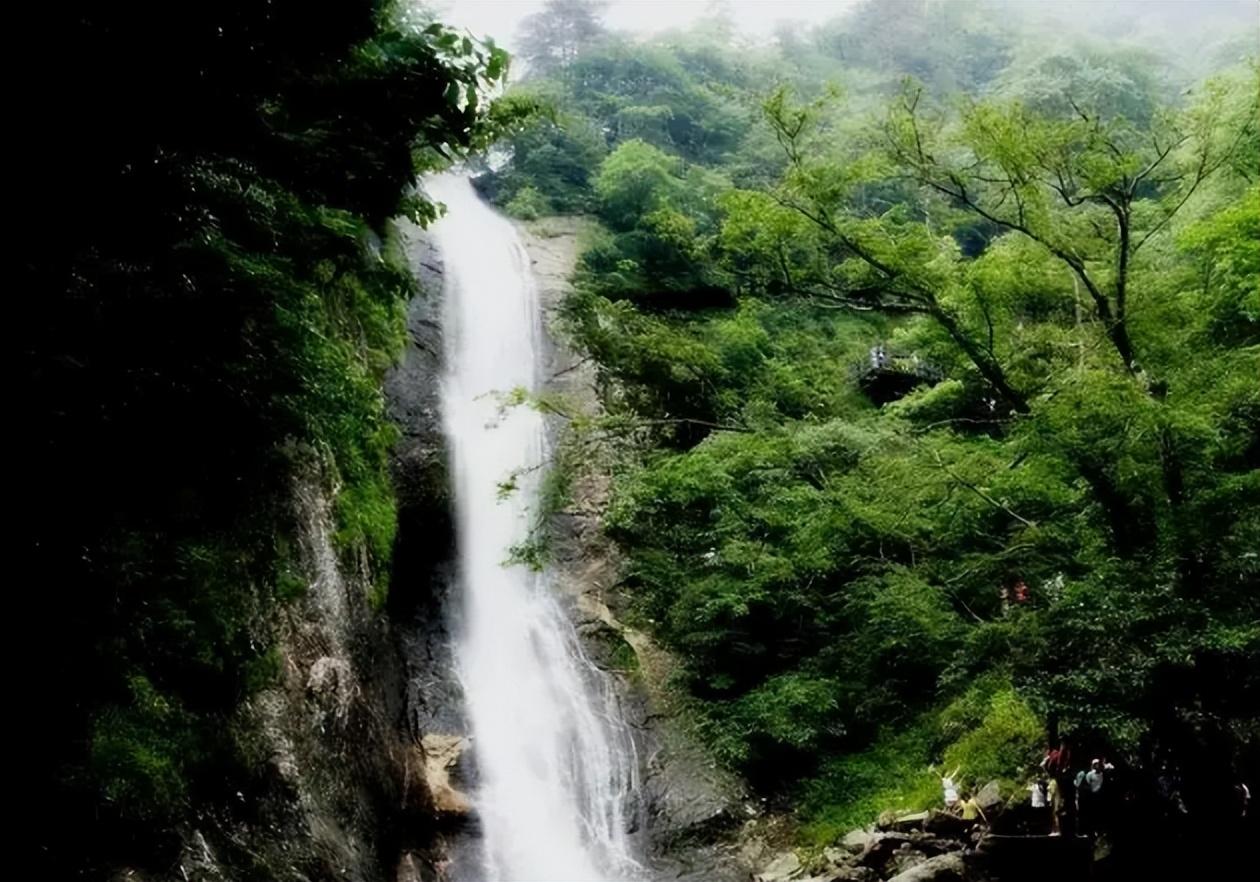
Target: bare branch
980,492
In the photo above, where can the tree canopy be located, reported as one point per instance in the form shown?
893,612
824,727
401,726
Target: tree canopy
888,352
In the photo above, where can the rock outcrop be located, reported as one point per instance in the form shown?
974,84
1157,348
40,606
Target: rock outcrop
784,867
356,775
430,765
323,739
876,856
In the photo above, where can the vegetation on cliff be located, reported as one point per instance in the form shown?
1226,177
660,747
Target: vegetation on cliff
938,340
209,296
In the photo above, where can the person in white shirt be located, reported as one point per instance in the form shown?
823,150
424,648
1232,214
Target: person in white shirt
949,789
1038,791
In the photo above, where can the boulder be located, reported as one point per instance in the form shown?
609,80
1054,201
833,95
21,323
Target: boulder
903,859
932,845
946,824
1033,857
429,767
856,841
880,845
942,868
852,874
842,865
990,796
912,821
786,866
833,855
880,851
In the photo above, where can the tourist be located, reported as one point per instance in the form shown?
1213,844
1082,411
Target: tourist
1058,762
971,812
1089,789
1058,765
1037,789
950,790
1055,794
1039,803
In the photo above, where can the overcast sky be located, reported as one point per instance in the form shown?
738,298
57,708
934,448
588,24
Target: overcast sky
500,18
1172,21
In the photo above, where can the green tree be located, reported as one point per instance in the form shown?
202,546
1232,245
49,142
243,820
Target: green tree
635,180
552,39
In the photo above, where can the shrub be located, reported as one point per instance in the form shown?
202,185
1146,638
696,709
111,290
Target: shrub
528,204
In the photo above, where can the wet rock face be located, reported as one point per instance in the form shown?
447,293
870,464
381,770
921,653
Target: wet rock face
351,772
418,463
423,574
409,868
438,769
323,739
851,874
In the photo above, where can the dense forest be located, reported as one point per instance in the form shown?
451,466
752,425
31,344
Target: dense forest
210,292
930,346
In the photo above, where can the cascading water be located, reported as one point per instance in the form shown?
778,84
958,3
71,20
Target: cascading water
556,768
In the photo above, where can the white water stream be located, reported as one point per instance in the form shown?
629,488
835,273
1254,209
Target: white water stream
556,768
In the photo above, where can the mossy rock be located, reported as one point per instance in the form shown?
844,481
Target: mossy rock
607,648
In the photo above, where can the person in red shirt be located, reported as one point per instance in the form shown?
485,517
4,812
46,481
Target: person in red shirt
1058,766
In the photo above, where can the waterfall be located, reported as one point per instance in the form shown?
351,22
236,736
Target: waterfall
556,771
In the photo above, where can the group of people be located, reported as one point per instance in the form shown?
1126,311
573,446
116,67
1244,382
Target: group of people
1076,799
1072,798
1015,592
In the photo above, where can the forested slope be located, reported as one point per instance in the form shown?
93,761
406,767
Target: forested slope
933,340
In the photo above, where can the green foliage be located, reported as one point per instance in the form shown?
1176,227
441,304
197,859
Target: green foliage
854,788
217,331
555,155
879,360
1004,742
988,733
141,749
528,204
624,659
635,181
367,519
1226,250
789,713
